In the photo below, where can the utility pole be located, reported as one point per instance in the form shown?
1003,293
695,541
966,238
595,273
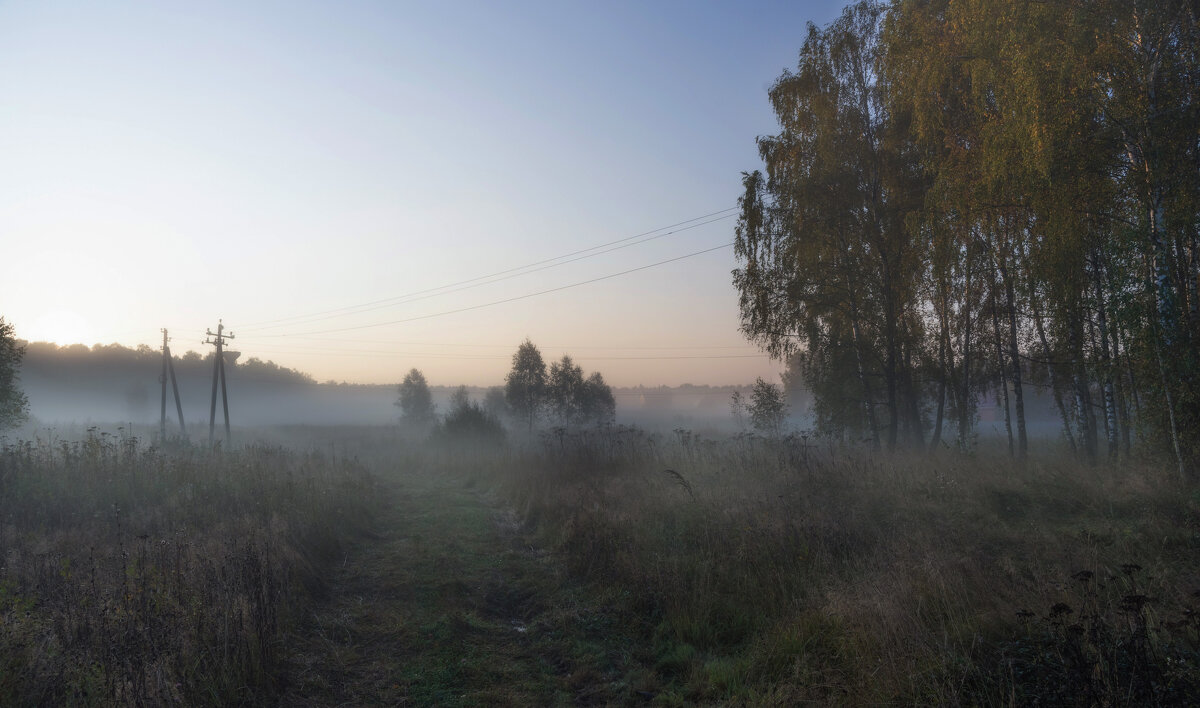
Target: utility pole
169,367
162,379
218,339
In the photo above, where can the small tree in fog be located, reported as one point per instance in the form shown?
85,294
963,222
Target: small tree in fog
525,385
14,406
768,408
739,409
459,399
415,402
575,400
468,423
564,389
597,403
496,404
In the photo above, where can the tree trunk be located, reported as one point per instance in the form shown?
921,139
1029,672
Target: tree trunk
862,373
1054,388
913,401
1000,369
1015,357
1106,367
1079,379
943,369
966,407
891,361
1164,329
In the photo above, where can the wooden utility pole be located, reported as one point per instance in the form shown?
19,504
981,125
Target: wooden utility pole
169,367
162,379
218,339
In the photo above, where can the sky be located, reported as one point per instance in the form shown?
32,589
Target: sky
356,189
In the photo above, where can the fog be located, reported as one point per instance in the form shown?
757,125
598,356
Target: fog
79,386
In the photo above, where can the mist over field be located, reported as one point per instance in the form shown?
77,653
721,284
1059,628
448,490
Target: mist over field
582,354
107,385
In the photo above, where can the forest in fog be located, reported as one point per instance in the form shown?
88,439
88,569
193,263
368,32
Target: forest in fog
965,198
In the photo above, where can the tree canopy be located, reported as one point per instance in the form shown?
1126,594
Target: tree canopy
969,198
575,400
415,401
525,385
14,407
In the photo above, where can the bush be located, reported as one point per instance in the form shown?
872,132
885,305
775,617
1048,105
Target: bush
468,423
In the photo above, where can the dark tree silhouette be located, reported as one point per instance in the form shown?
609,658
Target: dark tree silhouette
525,385
14,407
415,402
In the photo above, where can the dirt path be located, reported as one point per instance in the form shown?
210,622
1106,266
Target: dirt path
449,606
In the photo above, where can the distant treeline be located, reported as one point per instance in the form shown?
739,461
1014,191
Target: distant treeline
106,360
966,198
111,383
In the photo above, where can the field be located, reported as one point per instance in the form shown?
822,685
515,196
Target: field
596,567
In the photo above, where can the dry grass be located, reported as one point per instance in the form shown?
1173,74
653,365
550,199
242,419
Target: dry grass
135,576
778,571
672,570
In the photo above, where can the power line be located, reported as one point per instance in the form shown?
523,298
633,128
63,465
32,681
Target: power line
510,299
504,357
449,289
509,345
496,276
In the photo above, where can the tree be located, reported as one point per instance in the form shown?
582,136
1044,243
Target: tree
966,197
525,385
575,400
496,404
14,406
415,402
563,390
768,408
597,403
738,410
468,424
829,266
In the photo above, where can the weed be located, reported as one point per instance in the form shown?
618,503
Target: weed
132,575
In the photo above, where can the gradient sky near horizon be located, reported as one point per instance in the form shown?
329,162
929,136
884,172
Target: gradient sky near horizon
318,174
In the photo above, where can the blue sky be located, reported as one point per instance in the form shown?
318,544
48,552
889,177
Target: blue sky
168,164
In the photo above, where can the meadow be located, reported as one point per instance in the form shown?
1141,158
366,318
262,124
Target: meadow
786,571
606,566
132,574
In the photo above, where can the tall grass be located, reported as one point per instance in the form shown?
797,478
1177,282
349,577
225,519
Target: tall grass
782,571
132,575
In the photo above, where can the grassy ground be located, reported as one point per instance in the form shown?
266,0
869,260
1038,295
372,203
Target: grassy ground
783,572
592,568
451,606
131,575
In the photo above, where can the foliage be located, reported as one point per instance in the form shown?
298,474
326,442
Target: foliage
768,408
764,410
525,384
133,576
828,262
788,573
14,406
256,369
965,199
415,401
575,400
495,403
598,404
77,361
1104,645
468,423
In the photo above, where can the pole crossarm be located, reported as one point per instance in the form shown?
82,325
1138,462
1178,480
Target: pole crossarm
218,339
